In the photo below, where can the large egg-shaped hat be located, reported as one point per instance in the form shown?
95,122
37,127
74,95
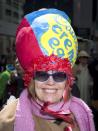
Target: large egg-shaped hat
43,33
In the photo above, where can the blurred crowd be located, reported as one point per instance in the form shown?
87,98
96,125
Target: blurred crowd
86,81
11,82
85,72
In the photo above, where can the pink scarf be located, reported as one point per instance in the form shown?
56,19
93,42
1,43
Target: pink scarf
26,108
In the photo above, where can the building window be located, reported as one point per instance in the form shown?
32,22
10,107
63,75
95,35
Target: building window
8,2
8,12
16,15
1,44
1,15
16,4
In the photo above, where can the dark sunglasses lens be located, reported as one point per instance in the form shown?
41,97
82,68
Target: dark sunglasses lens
41,76
59,76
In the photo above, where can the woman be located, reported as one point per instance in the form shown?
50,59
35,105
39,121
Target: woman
84,79
46,47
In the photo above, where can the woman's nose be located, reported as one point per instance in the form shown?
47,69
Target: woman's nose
50,80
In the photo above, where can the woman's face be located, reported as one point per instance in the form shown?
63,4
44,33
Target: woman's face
49,90
83,60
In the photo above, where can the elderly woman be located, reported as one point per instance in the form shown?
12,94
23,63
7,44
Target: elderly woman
84,79
46,47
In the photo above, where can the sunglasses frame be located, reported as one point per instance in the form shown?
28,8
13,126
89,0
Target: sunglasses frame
57,76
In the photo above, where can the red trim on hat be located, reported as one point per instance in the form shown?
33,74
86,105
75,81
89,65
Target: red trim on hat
46,63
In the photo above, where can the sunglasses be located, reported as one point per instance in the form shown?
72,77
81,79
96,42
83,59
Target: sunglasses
44,76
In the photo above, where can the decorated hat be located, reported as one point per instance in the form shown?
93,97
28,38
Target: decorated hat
45,40
83,53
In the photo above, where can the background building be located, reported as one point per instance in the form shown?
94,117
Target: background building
11,12
83,11
86,23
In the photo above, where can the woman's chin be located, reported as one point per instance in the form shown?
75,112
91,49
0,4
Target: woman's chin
52,101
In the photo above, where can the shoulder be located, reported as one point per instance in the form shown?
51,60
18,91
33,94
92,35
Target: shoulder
7,116
80,106
82,113
79,102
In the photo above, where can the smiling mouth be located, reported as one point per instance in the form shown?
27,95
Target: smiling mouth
50,90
